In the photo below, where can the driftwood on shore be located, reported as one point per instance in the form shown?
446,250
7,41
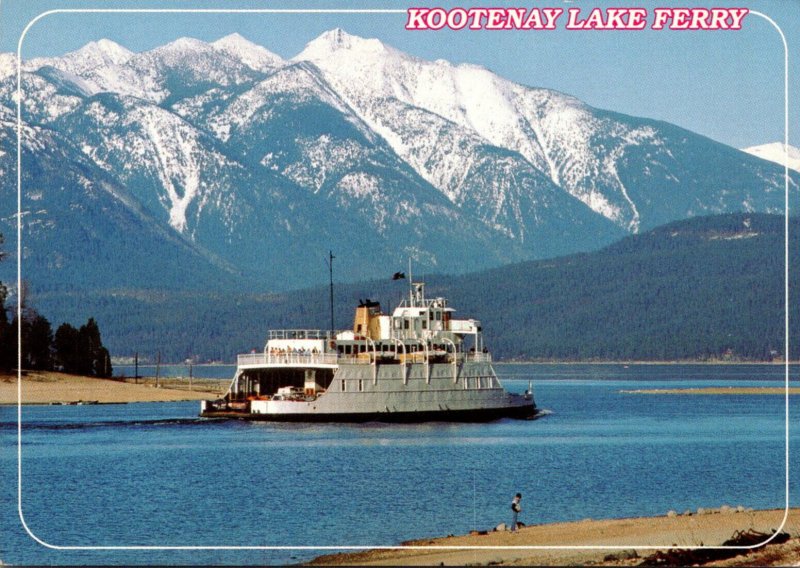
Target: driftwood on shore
751,539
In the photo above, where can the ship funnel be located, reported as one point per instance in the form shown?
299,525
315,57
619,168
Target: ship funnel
366,320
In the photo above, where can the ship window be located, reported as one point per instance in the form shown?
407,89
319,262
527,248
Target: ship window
424,324
437,316
360,385
358,328
405,323
344,385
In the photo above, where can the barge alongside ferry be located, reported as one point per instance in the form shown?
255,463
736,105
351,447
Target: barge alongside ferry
417,364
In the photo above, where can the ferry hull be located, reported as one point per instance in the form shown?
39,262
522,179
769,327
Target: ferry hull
407,417
391,393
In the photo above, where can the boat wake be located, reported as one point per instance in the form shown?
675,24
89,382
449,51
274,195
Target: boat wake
45,426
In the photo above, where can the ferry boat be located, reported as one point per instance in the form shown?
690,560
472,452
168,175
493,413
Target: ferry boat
417,364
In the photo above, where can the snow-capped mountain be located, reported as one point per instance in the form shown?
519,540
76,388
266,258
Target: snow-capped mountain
249,53
776,152
583,151
260,165
94,55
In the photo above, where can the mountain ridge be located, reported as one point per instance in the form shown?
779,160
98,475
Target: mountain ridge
268,163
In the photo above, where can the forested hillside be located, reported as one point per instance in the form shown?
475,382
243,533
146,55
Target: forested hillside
706,288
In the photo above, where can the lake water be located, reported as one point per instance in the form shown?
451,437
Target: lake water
155,475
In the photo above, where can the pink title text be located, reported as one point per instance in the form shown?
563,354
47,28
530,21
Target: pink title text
575,18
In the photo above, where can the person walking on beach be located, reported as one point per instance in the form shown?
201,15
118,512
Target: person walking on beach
515,510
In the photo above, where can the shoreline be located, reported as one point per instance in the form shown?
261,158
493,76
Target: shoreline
613,542
54,388
646,363
718,391
526,362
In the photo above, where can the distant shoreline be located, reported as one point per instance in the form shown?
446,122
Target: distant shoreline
48,387
521,362
644,363
718,391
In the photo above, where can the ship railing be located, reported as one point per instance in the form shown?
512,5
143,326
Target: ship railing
287,359
416,357
251,359
355,359
301,334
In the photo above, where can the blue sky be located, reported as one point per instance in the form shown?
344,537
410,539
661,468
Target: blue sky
727,85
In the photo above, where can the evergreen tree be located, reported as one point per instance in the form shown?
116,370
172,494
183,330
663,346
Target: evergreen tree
67,350
37,340
37,344
71,350
7,337
7,333
93,358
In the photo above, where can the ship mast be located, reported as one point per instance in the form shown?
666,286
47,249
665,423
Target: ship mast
410,284
330,269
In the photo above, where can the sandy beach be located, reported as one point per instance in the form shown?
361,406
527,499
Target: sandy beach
618,542
51,387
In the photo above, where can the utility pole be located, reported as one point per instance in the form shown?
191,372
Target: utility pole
158,366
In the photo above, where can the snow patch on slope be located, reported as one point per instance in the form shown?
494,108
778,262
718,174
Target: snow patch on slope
177,170
775,152
8,65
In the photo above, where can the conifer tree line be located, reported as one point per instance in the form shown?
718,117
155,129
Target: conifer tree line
78,351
